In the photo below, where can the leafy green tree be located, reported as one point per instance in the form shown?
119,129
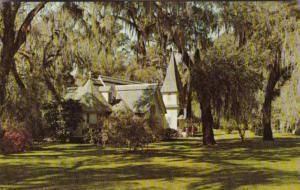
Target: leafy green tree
51,116
265,29
126,129
134,40
226,82
63,118
72,117
12,40
173,25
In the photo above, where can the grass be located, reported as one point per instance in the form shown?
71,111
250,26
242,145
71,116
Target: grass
179,164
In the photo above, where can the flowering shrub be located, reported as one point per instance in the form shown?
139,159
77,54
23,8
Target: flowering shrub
14,141
14,137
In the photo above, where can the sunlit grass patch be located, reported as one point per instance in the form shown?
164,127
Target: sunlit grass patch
178,164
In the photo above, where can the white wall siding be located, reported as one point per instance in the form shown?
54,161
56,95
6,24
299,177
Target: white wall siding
171,117
170,99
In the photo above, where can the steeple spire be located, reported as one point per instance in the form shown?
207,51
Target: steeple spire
172,82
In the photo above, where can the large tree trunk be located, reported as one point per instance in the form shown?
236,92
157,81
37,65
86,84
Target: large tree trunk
207,120
188,89
189,111
266,120
274,77
8,15
18,79
10,45
205,106
276,73
4,71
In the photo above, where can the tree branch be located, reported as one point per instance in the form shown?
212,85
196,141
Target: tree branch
21,36
17,76
27,56
50,86
128,22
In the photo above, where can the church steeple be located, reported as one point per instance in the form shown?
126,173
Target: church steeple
171,91
172,82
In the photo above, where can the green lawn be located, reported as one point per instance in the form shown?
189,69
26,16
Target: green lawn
180,164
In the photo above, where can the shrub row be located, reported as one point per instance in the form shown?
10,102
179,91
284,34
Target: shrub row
126,129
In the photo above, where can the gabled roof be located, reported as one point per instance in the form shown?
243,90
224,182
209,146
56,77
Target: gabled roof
116,81
121,106
89,96
172,82
138,97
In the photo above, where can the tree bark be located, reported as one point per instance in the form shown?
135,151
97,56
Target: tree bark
205,104
9,11
51,87
274,77
10,46
18,79
188,89
207,120
277,73
21,36
189,111
266,120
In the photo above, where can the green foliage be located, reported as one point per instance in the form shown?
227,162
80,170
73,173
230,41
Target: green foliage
93,134
62,118
134,40
121,130
127,129
268,34
72,114
226,126
232,125
231,84
51,115
169,133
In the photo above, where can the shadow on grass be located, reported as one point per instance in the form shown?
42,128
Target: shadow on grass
93,169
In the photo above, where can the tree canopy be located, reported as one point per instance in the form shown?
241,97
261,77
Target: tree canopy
237,59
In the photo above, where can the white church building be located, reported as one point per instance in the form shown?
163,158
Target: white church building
104,95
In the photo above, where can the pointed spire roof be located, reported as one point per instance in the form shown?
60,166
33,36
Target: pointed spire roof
90,98
172,82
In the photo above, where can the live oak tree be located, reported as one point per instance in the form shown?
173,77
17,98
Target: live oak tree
227,82
188,35
134,40
12,40
268,26
180,23
281,60
177,26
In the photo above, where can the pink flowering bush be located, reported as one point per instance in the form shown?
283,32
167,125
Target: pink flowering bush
15,139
